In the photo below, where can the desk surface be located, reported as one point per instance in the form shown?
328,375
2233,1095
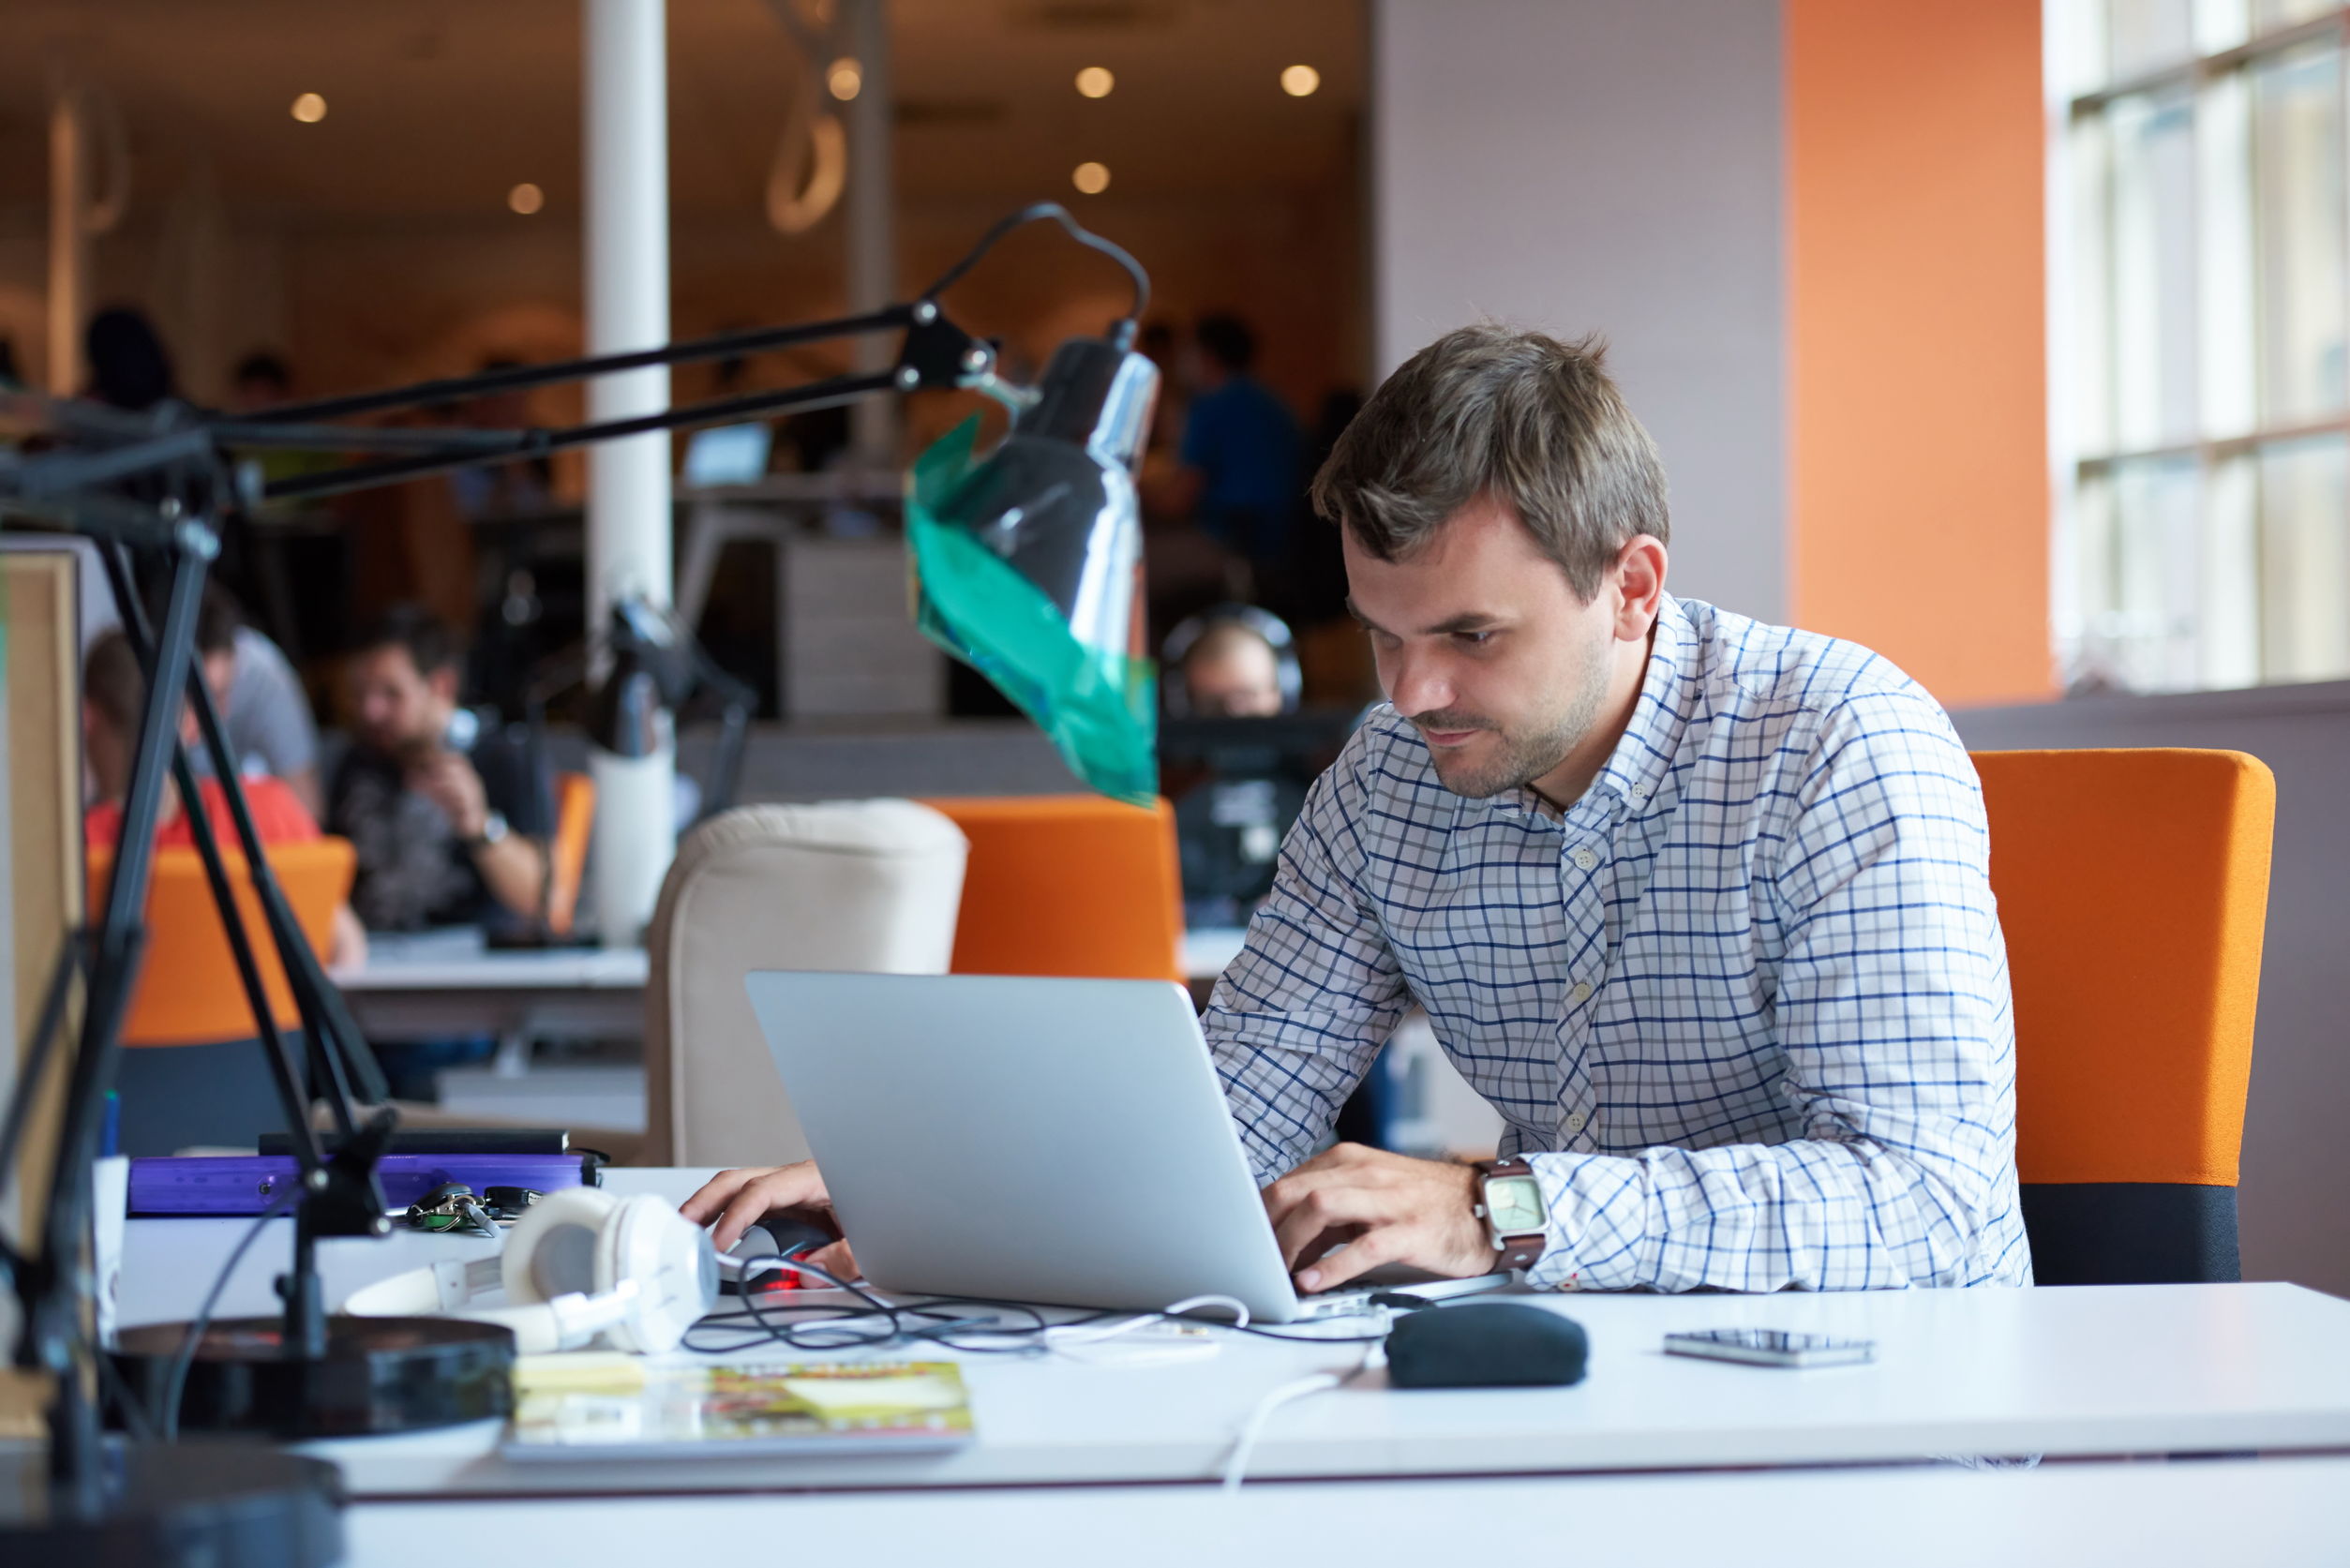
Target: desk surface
2283,1511
2055,1371
456,959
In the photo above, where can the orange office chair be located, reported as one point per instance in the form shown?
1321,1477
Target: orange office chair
1068,885
194,1075
567,851
2133,891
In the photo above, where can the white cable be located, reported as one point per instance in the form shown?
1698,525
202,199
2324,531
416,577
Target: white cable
1062,1335
1236,1465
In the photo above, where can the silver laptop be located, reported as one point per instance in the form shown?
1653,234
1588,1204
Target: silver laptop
1059,1140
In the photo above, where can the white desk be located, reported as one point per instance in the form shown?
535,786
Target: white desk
439,982
2150,1369
2151,1516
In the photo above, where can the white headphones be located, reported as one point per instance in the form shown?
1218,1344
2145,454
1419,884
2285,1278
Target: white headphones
580,1262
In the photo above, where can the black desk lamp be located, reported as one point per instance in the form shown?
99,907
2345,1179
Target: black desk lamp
1029,566
656,666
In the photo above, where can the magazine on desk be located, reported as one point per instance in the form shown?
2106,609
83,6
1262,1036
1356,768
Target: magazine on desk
721,1408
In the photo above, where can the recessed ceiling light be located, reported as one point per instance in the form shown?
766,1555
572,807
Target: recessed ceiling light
845,79
1095,81
309,109
526,199
1091,178
1300,81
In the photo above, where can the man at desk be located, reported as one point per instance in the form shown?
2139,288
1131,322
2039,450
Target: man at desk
1701,905
445,814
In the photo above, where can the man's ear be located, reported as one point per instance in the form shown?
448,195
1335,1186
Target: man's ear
1639,573
444,683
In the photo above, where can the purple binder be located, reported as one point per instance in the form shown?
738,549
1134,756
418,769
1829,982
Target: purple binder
248,1184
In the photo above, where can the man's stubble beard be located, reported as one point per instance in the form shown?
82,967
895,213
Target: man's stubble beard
1524,757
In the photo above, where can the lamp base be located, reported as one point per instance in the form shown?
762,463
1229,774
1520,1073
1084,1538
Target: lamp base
190,1506
378,1375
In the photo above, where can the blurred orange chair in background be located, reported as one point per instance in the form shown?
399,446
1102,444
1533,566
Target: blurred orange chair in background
1068,885
567,851
2133,892
189,992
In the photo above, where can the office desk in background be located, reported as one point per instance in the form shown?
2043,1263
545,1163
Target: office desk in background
419,984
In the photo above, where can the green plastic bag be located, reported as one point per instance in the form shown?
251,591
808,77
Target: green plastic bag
1097,705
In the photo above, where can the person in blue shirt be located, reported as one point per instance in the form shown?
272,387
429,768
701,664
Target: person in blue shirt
1238,478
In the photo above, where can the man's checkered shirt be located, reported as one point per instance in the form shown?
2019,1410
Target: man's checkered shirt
1744,1005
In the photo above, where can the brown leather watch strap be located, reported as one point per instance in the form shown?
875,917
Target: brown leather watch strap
1518,1249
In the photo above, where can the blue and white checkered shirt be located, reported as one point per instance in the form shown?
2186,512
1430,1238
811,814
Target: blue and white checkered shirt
1744,1005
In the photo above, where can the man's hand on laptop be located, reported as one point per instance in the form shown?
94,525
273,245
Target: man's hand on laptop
1384,1207
733,1200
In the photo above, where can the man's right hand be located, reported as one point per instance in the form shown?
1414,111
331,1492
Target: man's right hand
732,1200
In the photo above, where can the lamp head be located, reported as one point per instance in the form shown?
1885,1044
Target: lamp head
630,709
1030,562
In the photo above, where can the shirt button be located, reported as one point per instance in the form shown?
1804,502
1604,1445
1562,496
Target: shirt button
1585,859
1575,1123
1582,991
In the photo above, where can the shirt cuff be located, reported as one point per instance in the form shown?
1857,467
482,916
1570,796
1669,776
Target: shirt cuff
1559,1268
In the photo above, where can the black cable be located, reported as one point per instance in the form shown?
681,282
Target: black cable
834,1326
1036,212
175,1383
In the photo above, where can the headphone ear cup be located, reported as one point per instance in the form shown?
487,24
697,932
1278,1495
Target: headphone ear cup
555,1248
673,1265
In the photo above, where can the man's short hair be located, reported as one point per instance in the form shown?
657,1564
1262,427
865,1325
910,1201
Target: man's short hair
262,366
219,618
1228,341
1518,416
430,643
112,683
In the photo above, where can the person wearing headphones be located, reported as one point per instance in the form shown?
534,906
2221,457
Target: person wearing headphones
1233,662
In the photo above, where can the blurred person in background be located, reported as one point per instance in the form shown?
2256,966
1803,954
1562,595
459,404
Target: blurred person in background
129,367
445,811
262,703
114,691
1237,475
1229,668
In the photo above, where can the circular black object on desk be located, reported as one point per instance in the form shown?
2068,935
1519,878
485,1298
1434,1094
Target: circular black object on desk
1498,1344
378,1375
194,1505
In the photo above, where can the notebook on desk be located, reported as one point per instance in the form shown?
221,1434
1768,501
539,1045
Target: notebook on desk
627,1407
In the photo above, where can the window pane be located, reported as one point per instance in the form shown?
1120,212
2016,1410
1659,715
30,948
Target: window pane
2305,558
2142,35
2269,15
2143,636
2153,269
2298,198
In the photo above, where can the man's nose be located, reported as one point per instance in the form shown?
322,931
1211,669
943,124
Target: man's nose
1417,683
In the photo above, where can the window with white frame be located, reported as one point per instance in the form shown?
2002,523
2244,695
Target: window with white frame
2202,341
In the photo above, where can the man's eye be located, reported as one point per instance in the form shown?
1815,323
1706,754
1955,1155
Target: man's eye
1472,640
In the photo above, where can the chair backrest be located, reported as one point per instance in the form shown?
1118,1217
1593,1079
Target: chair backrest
862,886
188,992
2132,888
567,851
1069,884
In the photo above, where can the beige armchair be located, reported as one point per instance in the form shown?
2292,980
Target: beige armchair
870,886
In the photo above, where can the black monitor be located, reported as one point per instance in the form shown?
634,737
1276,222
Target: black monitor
1237,784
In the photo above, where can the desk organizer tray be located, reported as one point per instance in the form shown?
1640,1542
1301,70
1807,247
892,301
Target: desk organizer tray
249,1184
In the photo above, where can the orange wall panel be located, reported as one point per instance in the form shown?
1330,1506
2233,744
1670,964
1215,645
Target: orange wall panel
1918,403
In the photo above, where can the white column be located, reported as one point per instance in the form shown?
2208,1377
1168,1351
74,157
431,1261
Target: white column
870,215
627,183
68,237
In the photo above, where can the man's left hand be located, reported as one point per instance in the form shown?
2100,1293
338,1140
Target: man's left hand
448,781
1386,1207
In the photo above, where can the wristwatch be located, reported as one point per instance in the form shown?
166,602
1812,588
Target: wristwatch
493,831
1509,1201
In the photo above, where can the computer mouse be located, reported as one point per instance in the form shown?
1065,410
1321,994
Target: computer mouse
780,1231
1502,1344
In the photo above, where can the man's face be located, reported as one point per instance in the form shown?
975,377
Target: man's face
1482,644
394,706
1233,677
220,675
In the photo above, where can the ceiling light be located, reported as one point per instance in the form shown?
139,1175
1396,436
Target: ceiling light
1091,178
1095,81
526,199
1300,81
309,109
845,79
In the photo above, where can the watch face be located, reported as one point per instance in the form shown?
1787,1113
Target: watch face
1515,1203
